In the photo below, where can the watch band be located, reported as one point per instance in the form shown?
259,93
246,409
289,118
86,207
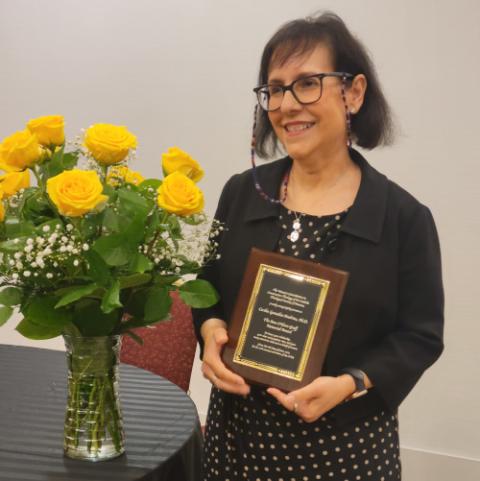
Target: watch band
359,379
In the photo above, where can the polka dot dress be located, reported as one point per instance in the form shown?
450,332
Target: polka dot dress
255,438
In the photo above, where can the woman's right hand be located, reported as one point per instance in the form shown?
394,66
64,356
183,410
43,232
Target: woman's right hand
214,334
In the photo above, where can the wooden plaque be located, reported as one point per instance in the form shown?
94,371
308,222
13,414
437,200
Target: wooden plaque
283,320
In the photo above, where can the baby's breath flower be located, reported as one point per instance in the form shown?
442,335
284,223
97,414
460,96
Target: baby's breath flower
27,273
46,228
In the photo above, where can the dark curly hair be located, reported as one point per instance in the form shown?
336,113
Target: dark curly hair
372,125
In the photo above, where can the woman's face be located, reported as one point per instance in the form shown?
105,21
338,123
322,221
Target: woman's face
312,131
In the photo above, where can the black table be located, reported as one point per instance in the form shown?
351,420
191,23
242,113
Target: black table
163,436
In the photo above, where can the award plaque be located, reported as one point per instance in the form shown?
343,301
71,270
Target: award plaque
283,320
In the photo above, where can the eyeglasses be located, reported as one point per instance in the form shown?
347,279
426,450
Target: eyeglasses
305,90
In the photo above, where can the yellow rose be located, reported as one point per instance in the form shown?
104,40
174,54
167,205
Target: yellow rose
76,192
109,144
48,129
179,195
12,182
122,173
177,160
19,151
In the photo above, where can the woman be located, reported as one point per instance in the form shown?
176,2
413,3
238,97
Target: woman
318,92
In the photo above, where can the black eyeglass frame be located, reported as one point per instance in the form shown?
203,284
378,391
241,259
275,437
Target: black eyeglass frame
258,90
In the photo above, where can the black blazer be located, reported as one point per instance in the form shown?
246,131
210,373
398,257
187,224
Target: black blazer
390,324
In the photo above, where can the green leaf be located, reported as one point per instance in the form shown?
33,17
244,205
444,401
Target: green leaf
42,311
97,269
150,183
158,303
111,299
92,321
5,313
90,225
136,302
37,208
162,280
32,330
59,162
70,160
15,227
112,221
134,232
198,293
53,166
140,263
52,227
112,249
13,245
11,296
134,280
132,201
75,293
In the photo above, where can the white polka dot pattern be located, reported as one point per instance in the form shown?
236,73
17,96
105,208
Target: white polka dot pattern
255,438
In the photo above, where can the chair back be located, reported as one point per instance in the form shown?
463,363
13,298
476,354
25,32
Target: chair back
168,347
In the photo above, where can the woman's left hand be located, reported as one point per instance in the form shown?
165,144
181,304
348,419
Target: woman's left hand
315,399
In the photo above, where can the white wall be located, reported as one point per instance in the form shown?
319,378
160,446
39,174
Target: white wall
181,72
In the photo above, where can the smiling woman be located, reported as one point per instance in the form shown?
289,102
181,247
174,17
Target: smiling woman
318,95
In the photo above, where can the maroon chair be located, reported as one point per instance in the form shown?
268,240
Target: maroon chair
168,348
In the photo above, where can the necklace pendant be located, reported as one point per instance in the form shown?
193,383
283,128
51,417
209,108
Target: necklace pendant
294,235
296,224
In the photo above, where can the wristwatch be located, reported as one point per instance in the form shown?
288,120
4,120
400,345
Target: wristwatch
359,379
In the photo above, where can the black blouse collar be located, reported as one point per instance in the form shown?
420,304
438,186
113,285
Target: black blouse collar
366,216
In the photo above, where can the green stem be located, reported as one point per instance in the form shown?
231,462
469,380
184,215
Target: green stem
113,427
38,177
162,220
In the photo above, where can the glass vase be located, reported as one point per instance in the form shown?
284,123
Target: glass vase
93,419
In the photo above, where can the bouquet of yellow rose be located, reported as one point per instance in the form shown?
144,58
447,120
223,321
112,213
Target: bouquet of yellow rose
84,250
94,249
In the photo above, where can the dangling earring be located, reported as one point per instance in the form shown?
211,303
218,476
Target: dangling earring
347,113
